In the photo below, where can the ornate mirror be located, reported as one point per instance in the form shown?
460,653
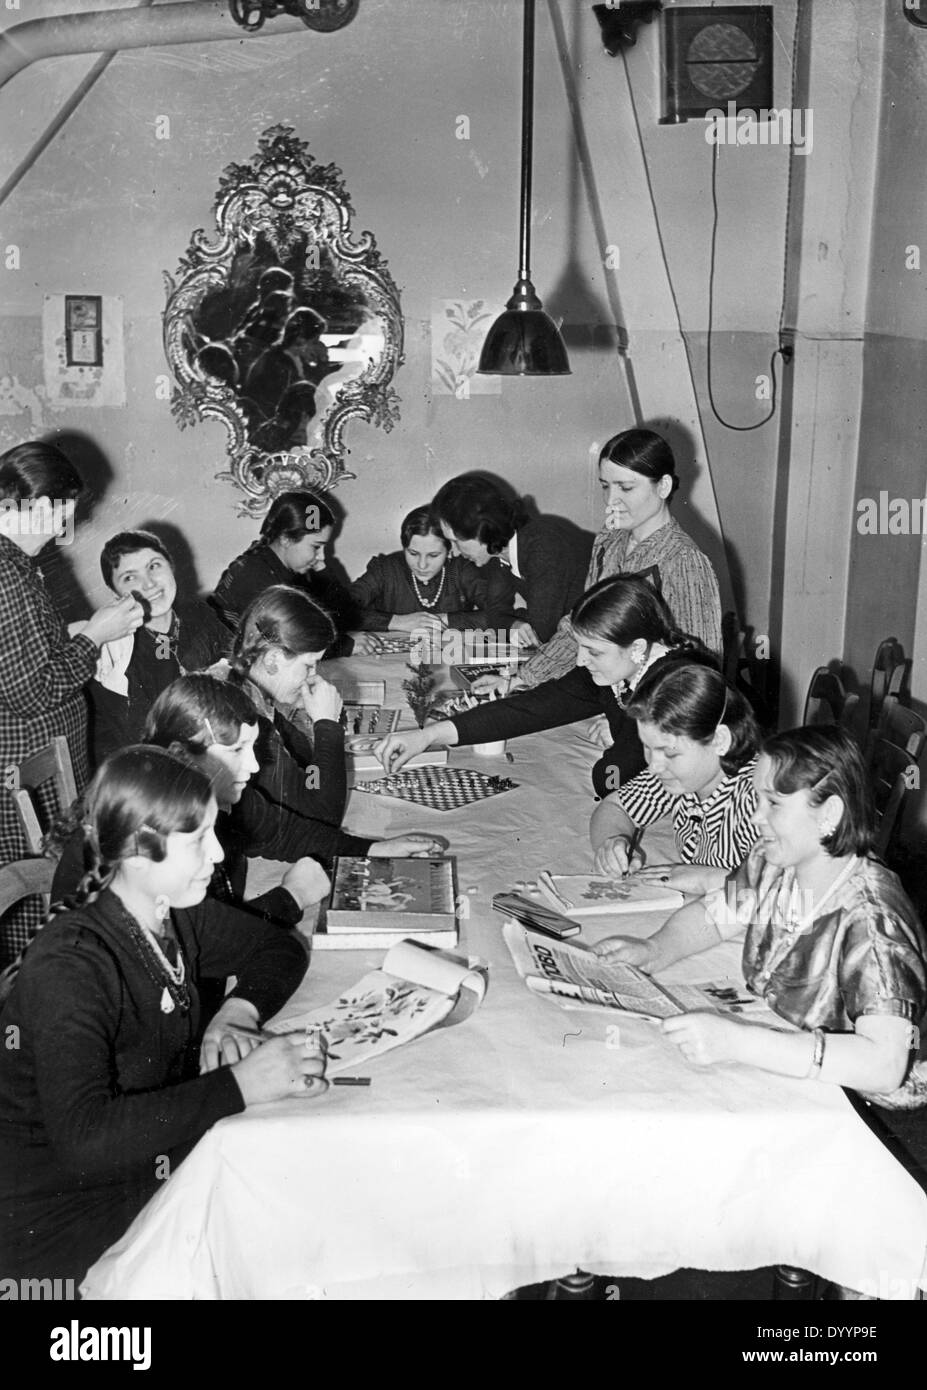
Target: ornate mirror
284,326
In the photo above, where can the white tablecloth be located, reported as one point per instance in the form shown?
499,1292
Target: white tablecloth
527,1141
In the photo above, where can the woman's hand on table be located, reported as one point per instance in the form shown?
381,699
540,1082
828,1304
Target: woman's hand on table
279,1068
499,686
307,882
612,858
321,700
415,845
524,634
114,620
232,1034
696,879
705,1038
417,622
626,950
396,750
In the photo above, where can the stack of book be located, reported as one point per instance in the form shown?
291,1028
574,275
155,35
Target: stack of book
377,902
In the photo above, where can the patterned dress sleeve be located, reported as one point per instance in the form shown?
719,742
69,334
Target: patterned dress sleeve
690,588
40,666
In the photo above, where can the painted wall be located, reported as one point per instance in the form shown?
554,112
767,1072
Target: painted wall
109,206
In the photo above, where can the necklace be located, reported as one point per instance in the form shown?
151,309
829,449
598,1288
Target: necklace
425,602
173,978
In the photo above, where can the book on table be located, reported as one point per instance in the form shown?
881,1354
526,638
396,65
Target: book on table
588,895
376,902
575,977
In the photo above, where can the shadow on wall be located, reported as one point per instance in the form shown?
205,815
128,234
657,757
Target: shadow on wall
57,563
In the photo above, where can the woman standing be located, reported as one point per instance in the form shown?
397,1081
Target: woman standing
290,550
43,671
637,472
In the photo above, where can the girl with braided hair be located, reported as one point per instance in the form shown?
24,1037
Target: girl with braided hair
114,1077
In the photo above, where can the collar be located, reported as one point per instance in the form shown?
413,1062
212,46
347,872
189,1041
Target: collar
28,564
513,557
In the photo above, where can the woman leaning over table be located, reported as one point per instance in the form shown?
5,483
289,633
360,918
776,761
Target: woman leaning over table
623,632
114,1079
637,472
43,671
832,943
700,741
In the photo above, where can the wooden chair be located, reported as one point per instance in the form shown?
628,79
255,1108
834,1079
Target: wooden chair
829,702
22,879
892,756
888,674
51,764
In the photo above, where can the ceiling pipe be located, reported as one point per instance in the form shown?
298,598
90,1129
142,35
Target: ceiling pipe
109,31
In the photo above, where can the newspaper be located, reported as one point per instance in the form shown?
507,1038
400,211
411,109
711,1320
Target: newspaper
576,977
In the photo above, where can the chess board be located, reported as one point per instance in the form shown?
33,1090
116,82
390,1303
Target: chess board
367,721
439,788
390,643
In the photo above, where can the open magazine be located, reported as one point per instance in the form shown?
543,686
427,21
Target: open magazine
575,977
416,989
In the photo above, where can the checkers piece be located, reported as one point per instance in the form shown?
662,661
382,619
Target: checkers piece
439,788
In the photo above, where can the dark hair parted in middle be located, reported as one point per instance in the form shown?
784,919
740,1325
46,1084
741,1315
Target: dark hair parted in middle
475,510
825,761
624,608
127,543
294,515
36,469
280,617
644,452
420,522
692,701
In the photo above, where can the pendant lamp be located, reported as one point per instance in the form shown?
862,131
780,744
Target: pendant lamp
524,341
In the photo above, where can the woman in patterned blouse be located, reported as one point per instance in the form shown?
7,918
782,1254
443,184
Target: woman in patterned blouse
700,741
637,472
832,943
42,671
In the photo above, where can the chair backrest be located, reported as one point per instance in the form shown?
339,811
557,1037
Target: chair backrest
888,673
903,727
893,773
22,879
825,699
52,764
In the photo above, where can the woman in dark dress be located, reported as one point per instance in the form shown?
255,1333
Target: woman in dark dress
43,671
178,635
622,630
419,587
545,560
290,550
112,1079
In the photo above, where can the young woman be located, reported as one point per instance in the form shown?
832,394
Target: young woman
295,804
700,741
623,630
177,636
418,587
212,725
290,550
112,1079
43,671
546,558
637,472
833,945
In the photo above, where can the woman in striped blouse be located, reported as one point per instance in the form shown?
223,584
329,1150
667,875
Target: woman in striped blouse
700,740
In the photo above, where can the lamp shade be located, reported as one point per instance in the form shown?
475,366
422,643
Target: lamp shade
524,341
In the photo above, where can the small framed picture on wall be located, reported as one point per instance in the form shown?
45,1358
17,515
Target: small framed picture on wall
83,329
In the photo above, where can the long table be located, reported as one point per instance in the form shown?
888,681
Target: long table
528,1141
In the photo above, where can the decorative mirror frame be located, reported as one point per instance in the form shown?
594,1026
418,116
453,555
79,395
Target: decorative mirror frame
281,195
